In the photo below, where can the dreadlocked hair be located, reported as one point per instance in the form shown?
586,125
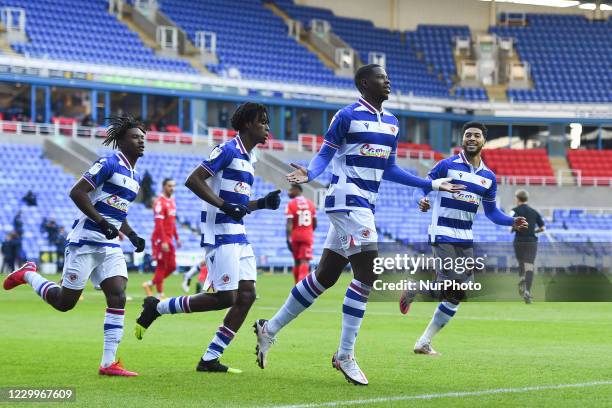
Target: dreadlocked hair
117,128
247,113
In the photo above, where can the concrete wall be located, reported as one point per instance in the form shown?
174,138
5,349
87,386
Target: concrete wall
407,14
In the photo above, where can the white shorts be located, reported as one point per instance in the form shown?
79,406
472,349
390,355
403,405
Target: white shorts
229,264
351,232
98,262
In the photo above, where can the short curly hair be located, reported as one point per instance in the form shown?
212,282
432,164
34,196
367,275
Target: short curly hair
247,113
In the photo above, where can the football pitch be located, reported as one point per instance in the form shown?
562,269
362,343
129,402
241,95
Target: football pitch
504,354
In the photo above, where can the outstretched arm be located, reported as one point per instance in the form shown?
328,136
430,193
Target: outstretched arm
395,173
494,214
334,136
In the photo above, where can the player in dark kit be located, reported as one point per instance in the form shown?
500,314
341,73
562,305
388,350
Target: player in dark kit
526,242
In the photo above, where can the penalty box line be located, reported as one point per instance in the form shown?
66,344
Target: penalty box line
447,395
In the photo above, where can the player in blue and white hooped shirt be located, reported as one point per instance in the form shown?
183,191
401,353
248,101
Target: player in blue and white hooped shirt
224,183
103,196
361,143
450,232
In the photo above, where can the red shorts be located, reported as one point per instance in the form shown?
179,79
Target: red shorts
301,250
167,260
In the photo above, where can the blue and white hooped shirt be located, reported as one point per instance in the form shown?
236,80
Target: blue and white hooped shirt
233,174
364,140
453,213
115,186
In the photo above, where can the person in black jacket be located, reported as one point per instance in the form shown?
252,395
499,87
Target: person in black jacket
10,252
526,242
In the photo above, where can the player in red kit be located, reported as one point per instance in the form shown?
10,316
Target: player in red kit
301,223
164,210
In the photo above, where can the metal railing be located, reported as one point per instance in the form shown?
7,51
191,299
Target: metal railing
78,131
580,181
221,135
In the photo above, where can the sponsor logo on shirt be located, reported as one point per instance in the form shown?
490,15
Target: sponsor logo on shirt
467,197
371,151
242,188
118,203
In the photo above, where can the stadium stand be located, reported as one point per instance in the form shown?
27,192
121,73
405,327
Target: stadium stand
407,72
556,47
260,50
591,164
59,30
50,184
471,94
524,166
436,43
396,212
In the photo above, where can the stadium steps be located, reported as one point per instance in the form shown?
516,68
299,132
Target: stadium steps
303,41
126,18
496,93
71,159
459,59
5,47
273,170
560,163
191,52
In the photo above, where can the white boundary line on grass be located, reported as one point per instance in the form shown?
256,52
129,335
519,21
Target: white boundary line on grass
445,395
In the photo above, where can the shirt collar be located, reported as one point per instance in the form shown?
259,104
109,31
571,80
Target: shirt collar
125,161
241,146
464,159
368,106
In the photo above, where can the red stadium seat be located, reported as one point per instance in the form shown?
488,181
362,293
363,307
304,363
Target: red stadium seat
153,137
523,166
592,164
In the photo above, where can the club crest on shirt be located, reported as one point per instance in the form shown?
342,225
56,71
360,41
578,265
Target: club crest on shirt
242,188
225,278
365,233
371,151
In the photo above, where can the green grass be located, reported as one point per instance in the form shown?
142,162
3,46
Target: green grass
487,346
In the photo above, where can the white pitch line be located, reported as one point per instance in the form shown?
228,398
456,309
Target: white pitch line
445,395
